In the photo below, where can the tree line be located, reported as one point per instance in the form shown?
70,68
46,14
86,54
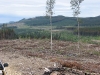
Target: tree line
88,31
10,33
7,33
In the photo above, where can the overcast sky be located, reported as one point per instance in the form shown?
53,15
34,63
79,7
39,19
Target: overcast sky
14,10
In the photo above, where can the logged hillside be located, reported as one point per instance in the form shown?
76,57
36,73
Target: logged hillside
30,57
59,21
30,52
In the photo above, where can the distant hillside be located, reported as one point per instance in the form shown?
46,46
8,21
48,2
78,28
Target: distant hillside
60,21
91,21
42,20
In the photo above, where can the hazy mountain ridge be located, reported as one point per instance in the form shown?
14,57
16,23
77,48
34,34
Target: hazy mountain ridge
57,21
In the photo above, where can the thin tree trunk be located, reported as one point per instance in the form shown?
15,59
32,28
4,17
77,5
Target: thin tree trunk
51,30
78,35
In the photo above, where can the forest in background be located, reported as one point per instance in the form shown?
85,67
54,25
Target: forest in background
64,28
61,21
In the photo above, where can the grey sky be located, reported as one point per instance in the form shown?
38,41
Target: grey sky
17,9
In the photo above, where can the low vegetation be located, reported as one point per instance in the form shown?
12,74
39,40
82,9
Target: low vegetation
87,34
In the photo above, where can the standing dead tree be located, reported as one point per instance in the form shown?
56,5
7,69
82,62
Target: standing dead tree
49,12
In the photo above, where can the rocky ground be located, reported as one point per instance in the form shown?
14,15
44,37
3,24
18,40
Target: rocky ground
30,57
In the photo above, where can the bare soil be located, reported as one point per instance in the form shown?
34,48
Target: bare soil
30,57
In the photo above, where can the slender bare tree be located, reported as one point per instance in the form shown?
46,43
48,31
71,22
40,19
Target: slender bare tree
75,4
49,12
